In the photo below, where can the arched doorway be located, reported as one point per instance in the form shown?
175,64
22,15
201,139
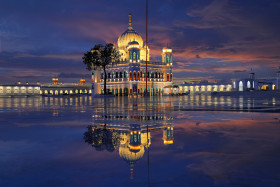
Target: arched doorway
240,86
248,85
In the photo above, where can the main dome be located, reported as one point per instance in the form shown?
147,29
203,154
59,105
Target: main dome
129,35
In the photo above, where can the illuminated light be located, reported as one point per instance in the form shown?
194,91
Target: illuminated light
82,111
168,141
82,81
167,50
135,147
133,46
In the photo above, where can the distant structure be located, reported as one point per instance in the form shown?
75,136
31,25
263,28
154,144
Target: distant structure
128,76
53,89
252,83
20,89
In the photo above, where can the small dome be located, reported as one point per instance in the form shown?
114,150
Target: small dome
133,43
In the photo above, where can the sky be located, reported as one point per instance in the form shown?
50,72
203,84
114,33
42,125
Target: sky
213,40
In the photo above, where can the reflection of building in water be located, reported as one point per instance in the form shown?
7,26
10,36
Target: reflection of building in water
168,135
131,139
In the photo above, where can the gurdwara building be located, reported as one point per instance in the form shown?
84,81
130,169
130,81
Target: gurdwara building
129,75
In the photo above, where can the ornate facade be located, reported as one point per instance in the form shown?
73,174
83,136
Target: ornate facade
129,75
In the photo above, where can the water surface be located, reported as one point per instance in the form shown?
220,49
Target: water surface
159,141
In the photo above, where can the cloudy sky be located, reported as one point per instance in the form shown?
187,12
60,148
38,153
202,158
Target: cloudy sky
211,39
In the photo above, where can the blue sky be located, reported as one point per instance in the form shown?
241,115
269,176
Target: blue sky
211,39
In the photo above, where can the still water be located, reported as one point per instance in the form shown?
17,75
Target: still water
159,141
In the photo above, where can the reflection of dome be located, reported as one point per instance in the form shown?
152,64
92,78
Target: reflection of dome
128,36
131,156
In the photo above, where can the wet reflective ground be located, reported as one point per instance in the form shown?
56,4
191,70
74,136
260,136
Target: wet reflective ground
167,141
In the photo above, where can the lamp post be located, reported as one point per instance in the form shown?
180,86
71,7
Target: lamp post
146,93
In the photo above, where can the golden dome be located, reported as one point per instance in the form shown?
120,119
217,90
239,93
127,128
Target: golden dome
129,35
129,155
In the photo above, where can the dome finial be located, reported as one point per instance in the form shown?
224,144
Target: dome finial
129,21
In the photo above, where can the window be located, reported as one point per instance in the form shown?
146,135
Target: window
125,74
167,77
134,56
134,75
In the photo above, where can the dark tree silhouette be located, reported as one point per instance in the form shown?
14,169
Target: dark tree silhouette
102,138
100,57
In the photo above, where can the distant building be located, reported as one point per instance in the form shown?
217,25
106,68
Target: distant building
55,88
128,76
251,83
19,89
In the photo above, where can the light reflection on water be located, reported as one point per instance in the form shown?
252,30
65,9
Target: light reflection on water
170,141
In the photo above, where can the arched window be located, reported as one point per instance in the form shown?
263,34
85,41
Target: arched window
167,77
138,76
241,86
171,76
126,74
101,76
117,74
148,75
248,84
156,75
141,74
152,75
109,76
130,76
120,74
134,56
134,75
113,75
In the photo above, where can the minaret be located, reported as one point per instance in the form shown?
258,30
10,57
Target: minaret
167,60
167,55
129,21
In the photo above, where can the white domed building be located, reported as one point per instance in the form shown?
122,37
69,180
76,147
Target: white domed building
129,75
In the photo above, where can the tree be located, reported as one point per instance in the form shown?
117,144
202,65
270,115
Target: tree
100,57
102,138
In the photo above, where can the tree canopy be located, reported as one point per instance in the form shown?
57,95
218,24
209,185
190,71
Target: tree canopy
100,57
